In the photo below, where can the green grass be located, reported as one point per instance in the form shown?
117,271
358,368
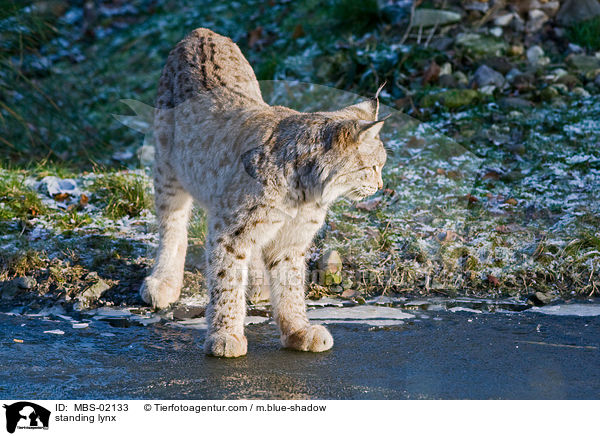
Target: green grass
586,34
18,200
121,194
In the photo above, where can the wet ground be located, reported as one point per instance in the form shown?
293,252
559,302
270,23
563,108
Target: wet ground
434,352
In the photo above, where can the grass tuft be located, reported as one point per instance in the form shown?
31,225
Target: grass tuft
586,34
122,194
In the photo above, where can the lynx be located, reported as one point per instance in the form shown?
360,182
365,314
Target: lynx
265,175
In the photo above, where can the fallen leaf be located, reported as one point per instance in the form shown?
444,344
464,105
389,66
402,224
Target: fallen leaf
432,73
471,198
414,142
511,201
349,293
61,196
84,200
493,280
18,341
298,31
254,36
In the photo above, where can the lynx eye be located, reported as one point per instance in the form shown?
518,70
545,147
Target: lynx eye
375,168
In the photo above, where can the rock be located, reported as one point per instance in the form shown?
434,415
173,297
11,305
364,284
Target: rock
535,56
146,155
461,78
559,72
187,312
549,7
486,76
574,48
330,266
536,20
515,102
523,82
549,93
597,80
480,46
55,187
447,81
93,293
452,98
496,31
540,299
481,6
569,80
584,63
431,17
499,63
442,44
9,290
510,76
574,11
487,90
446,68
25,282
504,20
580,92
516,50
562,89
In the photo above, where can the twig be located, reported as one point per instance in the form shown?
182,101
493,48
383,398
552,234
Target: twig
412,15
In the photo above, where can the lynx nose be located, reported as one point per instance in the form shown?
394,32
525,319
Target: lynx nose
380,183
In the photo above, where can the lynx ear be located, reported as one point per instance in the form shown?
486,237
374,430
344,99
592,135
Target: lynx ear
368,130
369,108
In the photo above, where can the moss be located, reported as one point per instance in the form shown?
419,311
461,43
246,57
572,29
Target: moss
452,98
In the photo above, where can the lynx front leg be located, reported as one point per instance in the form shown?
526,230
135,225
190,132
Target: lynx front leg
227,274
173,207
285,260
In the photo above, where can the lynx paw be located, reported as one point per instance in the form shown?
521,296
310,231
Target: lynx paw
226,345
159,293
315,338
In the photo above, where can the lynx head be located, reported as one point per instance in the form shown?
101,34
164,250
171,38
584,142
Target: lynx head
356,155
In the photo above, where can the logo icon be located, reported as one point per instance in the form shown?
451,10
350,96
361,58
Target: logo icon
26,415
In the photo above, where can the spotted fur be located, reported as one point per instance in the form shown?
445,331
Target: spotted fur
265,176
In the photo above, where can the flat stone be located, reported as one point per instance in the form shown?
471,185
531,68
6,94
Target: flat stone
94,292
431,17
584,63
515,102
480,46
504,20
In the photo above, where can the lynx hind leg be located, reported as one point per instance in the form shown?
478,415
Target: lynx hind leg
173,206
258,280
